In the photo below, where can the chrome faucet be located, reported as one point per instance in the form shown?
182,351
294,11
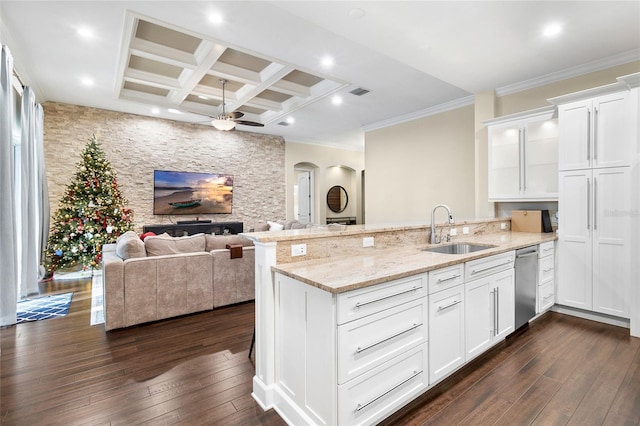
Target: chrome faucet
434,239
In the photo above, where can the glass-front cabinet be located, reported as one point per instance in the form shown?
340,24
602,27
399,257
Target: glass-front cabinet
523,156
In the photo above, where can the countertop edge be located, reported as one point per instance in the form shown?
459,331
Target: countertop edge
307,271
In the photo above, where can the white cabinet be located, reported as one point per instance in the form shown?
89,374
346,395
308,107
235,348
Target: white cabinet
545,293
446,332
489,303
597,132
523,157
598,147
350,358
594,240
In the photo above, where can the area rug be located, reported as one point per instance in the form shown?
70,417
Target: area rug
41,308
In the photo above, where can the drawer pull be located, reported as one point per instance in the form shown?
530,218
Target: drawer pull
476,271
441,280
371,401
414,288
454,303
413,327
547,270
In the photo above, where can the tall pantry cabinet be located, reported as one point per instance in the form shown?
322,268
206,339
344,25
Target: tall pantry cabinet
598,147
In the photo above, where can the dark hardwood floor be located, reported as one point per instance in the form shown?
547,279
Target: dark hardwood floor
194,370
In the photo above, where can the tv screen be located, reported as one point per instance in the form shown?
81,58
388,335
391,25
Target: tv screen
191,193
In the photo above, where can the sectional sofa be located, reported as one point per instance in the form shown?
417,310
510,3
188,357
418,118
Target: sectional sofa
166,276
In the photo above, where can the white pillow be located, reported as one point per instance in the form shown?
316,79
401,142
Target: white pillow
275,226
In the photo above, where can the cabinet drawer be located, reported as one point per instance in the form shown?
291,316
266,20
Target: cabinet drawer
545,269
546,249
374,339
444,278
378,393
546,296
489,265
369,300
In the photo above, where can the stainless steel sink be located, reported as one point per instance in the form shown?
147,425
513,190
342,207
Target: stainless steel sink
460,248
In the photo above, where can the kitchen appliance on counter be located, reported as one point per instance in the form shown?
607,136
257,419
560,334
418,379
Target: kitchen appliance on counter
526,283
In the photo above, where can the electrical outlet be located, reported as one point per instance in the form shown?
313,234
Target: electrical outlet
367,242
465,230
503,225
298,249
453,232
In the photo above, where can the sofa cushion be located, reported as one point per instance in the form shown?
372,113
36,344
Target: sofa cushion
164,244
129,246
261,227
217,242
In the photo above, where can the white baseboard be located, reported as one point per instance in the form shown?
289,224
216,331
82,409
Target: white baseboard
593,316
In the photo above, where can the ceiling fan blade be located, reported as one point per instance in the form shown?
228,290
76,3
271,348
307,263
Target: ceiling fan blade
249,123
235,114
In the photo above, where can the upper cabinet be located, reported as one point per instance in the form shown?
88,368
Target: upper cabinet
523,156
597,132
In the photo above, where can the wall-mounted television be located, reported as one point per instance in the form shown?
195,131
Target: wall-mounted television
189,193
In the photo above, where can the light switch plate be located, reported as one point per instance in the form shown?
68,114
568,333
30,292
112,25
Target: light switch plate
453,232
465,230
367,242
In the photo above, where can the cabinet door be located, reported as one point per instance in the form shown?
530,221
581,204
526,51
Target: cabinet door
541,159
478,316
613,130
504,288
446,332
505,143
611,242
574,135
574,240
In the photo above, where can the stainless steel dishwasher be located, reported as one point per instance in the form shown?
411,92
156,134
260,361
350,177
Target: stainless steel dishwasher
526,283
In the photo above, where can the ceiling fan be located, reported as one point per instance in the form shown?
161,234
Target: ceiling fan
228,121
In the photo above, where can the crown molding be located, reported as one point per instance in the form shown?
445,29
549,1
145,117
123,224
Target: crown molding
437,109
601,64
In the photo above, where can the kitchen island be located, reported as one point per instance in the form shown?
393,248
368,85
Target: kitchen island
350,338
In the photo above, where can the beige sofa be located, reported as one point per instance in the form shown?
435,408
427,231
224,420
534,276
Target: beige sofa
169,276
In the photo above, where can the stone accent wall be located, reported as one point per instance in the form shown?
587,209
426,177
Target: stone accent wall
137,145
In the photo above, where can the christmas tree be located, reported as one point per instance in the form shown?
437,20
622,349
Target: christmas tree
91,213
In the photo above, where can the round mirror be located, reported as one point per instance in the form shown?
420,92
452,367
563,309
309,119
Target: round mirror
337,199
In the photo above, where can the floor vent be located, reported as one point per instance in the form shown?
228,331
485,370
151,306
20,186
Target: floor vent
359,91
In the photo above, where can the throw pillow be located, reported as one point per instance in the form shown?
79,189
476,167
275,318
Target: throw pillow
275,226
129,246
261,227
160,245
147,234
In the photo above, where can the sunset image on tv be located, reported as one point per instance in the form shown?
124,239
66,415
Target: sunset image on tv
191,193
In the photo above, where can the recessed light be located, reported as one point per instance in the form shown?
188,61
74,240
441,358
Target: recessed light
203,97
174,111
327,61
84,32
336,100
552,30
216,18
155,110
86,81
291,120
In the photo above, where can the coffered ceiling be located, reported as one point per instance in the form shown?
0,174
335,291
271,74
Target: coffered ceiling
167,66
391,60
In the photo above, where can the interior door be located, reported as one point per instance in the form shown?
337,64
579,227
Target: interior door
304,197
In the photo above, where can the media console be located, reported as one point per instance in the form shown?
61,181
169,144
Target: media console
182,229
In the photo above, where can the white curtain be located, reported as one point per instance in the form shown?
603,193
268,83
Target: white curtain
8,234
32,194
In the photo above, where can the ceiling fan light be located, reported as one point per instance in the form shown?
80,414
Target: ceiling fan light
222,123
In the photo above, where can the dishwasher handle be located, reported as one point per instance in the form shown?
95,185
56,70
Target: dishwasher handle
531,253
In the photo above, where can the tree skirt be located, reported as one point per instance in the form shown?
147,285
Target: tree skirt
42,308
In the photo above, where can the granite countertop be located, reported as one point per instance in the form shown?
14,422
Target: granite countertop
382,265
